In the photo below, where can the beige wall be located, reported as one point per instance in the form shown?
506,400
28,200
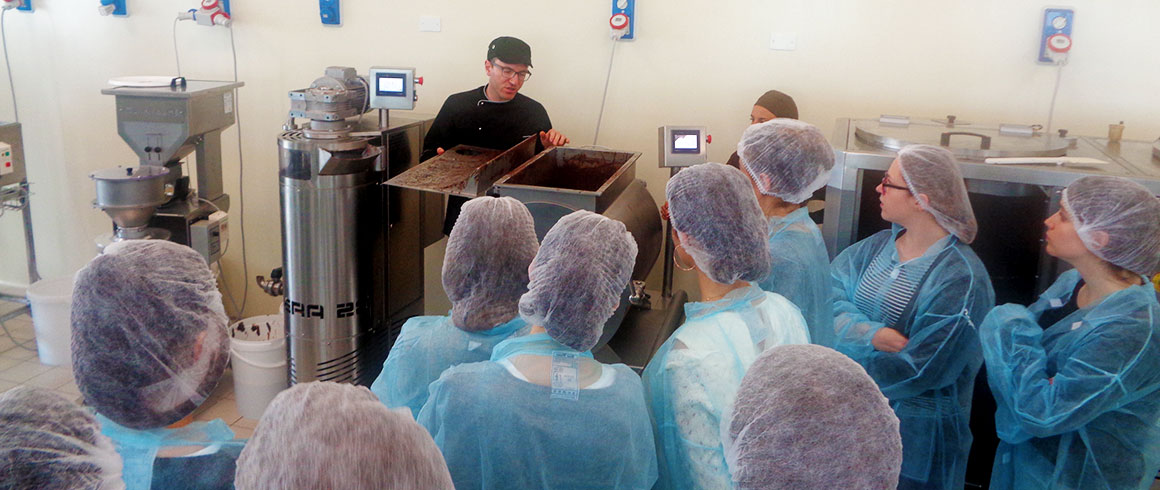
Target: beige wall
693,63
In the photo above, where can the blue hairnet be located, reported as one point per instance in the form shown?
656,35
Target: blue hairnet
148,333
932,170
803,411
577,278
1123,213
47,441
787,158
333,435
715,213
485,268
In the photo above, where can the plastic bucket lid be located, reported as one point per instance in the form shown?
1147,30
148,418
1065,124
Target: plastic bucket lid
54,290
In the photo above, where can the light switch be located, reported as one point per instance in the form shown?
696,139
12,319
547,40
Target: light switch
783,41
429,23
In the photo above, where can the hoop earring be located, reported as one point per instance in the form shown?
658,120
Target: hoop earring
677,261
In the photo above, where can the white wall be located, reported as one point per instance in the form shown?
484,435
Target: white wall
693,63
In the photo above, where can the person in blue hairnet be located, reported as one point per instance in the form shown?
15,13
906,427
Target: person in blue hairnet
327,435
485,271
47,441
906,303
788,160
1076,375
801,412
720,234
542,413
149,344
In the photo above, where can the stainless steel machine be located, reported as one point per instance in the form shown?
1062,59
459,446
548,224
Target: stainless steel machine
1010,202
155,199
554,183
352,252
14,196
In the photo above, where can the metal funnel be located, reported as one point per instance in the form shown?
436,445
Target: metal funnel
130,195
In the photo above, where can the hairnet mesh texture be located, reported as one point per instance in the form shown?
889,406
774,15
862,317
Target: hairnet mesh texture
583,266
332,435
787,159
1126,212
715,213
932,171
807,416
47,441
148,333
485,268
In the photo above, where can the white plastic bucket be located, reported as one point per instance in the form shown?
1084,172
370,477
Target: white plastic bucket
258,355
51,302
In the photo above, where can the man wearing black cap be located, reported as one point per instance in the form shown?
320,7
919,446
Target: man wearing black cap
495,115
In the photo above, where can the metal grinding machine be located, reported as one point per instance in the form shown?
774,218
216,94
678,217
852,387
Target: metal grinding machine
163,121
558,181
352,252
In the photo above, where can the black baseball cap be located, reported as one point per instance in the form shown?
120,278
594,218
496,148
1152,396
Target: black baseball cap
510,50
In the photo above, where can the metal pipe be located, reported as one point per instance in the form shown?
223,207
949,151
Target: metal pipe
26,213
670,248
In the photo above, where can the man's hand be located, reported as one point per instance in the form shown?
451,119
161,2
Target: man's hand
553,138
439,151
889,340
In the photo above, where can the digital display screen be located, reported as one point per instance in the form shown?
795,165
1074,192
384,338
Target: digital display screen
390,84
686,141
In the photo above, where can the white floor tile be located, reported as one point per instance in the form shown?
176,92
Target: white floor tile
7,385
20,354
221,409
69,388
6,363
24,371
246,423
52,379
242,432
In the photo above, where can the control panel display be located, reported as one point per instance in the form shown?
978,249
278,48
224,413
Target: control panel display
392,88
686,141
683,146
390,84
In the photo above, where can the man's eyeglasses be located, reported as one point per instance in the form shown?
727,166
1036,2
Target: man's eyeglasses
886,183
506,72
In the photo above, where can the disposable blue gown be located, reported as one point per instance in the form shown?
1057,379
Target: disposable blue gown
801,272
498,431
427,346
1079,402
930,382
693,379
143,469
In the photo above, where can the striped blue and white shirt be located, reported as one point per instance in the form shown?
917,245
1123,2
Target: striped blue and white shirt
888,285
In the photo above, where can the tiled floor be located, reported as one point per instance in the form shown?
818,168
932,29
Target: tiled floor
21,366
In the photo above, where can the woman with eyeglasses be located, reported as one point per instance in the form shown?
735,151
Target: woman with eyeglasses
906,302
1077,374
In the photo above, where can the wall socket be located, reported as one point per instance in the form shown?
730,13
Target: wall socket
429,23
783,41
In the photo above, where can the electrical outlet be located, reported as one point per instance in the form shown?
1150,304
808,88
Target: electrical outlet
429,23
783,41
